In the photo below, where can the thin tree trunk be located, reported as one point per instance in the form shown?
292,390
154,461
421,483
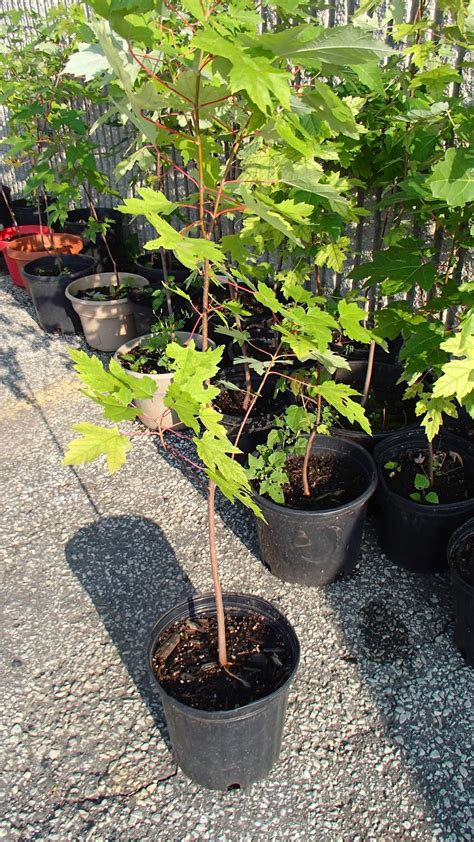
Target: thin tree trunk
221,633
368,375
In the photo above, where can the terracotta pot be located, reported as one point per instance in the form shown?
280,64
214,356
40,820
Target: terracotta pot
153,412
7,235
25,249
106,324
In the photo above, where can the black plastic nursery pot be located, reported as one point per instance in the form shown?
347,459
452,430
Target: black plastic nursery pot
145,316
415,535
460,543
77,223
27,213
54,311
227,749
385,386
155,275
315,547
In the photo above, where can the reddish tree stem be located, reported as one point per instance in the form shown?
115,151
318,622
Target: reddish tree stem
368,376
222,647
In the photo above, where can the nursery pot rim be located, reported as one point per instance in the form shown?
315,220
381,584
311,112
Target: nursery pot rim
134,343
97,277
414,504
83,258
321,513
455,539
52,238
185,606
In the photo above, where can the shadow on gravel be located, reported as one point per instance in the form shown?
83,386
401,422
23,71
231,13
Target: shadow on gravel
400,634
132,576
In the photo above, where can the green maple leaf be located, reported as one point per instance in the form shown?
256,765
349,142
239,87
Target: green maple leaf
423,350
307,175
452,179
456,380
97,441
188,393
350,318
339,396
229,476
140,388
152,201
343,46
92,372
265,295
307,330
268,214
261,81
190,251
328,106
397,269
333,255
432,410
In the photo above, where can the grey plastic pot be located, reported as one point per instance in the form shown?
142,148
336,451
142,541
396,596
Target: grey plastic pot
106,324
54,311
153,412
463,593
415,535
228,749
314,547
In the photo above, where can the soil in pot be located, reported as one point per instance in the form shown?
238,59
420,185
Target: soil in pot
452,483
144,361
185,662
227,748
332,483
414,521
105,293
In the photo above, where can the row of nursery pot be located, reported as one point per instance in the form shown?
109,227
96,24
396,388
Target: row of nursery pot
31,236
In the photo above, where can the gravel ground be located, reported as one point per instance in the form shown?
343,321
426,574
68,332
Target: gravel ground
378,736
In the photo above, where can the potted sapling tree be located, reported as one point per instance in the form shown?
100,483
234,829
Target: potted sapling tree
225,707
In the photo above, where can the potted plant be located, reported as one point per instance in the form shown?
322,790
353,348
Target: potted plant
146,356
313,490
426,487
192,96
46,282
102,304
461,562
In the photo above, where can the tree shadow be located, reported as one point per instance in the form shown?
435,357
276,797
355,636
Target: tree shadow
130,571
398,628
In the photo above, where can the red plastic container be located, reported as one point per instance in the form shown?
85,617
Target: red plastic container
28,247
6,237
9,234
